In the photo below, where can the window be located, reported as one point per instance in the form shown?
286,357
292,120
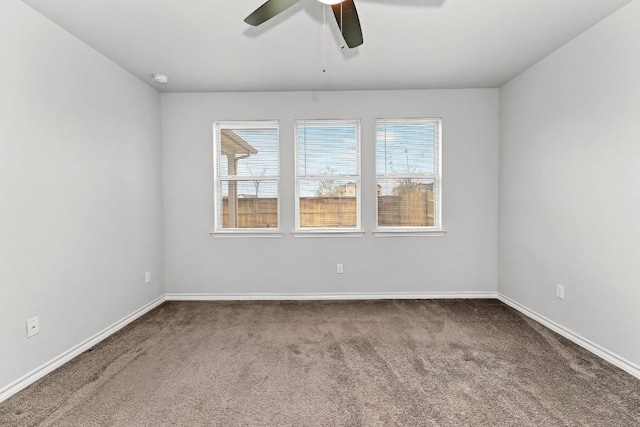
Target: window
408,174
246,171
327,175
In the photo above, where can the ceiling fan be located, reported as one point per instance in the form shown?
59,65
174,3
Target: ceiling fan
343,10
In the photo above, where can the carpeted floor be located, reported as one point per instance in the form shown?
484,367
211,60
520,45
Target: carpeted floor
364,363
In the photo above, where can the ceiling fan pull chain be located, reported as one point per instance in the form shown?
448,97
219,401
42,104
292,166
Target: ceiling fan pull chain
324,39
341,27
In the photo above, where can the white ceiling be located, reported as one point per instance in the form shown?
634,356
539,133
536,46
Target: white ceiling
204,45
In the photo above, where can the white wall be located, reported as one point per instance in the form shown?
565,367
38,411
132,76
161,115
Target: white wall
465,260
80,191
570,185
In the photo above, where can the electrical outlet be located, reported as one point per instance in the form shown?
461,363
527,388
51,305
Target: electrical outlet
339,269
33,327
559,291
147,277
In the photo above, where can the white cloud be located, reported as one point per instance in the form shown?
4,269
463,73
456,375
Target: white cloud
387,135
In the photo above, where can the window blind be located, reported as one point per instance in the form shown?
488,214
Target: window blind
328,174
246,168
408,173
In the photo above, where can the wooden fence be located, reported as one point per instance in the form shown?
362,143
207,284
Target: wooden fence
414,209
328,212
408,210
252,213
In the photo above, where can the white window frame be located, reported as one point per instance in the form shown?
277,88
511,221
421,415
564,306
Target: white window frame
436,229
219,231
329,231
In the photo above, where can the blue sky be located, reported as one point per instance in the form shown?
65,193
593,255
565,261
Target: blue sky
326,149
402,149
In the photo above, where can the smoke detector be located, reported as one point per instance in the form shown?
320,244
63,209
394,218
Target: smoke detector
161,78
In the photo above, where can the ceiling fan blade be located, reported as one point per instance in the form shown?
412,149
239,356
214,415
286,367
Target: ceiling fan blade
268,10
349,23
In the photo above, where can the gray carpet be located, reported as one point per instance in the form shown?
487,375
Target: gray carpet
365,363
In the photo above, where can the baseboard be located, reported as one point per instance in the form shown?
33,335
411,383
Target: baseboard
594,348
328,296
74,351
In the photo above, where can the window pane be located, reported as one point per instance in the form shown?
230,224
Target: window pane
406,202
249,204
408,172
246,168
406,148
327,148
328,203
248,151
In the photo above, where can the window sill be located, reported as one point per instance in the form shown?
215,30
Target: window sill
246,234
409,232
327,233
